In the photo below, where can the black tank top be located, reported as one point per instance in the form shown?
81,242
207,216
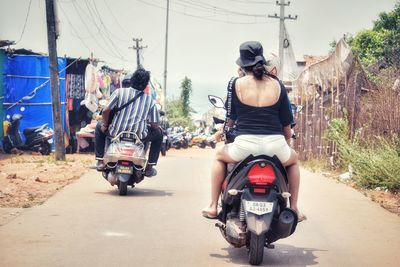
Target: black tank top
268,120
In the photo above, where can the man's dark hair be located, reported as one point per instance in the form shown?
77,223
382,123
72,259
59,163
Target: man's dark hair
140,79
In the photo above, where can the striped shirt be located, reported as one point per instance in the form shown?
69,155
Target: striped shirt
135,116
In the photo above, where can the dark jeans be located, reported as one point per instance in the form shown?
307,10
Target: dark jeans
153,135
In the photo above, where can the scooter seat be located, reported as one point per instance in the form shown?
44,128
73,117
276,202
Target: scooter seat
28,131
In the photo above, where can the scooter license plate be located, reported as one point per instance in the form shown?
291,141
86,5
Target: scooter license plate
124,169
259,208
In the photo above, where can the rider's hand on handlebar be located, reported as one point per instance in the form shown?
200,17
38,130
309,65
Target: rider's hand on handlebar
217,136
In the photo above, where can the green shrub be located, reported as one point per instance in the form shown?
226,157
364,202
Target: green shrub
375,163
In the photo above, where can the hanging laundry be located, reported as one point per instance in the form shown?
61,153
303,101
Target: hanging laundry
76,86
91,81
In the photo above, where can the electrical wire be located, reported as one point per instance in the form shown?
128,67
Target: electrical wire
200,17
115,18
26,20
93,13
73,28
254,2
220,10
105,50
90,33
107,31
106,39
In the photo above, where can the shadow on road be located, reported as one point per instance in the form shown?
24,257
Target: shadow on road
282,255
138,192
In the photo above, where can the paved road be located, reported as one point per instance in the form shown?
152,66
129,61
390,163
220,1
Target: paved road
159,224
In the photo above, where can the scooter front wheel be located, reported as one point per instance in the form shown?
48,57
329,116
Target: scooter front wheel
45,148
7,147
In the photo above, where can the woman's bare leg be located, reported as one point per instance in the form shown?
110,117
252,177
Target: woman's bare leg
293,171
217,177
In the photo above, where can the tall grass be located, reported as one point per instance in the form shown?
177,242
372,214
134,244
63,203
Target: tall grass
375,163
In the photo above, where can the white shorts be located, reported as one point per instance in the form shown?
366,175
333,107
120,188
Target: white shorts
269,145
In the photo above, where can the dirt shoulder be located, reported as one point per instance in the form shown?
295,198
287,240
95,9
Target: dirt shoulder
28,180
386,199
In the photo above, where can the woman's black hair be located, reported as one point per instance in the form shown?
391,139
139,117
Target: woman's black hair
140,79
258,70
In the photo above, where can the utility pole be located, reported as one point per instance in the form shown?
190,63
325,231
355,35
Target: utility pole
282,19
54,81
138,47
165,61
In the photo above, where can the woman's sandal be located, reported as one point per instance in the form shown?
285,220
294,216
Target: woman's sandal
301,218
209,215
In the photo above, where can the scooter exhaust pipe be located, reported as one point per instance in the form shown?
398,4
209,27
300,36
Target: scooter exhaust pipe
286,223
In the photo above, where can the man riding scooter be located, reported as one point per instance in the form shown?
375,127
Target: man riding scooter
129,109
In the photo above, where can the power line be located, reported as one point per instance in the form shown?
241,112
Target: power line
116,20
208,18
98,32
73,28
26,20
90,34
107,31
105,38
219,10
254,2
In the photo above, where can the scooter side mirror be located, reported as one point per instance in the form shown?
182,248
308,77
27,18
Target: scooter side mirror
217,121
216,101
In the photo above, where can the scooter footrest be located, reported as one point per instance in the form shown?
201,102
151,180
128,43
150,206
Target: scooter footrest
270,246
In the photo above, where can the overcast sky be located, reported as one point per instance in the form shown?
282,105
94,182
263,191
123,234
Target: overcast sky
204,49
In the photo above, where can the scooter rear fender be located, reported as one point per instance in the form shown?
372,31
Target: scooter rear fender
259,224
122,177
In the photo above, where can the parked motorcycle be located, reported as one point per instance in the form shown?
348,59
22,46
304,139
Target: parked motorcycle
38,139
255,208
125,161
198,140
179,140
203,141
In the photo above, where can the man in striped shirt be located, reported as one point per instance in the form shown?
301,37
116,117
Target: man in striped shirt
133,118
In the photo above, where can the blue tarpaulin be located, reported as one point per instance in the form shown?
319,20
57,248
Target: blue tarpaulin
24,73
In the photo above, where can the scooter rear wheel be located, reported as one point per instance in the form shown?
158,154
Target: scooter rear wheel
122,188
256,249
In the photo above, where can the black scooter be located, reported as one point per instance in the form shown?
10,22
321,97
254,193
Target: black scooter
38,139
255,209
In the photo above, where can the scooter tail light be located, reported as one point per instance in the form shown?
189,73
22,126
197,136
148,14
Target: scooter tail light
126,151
261,174
260,190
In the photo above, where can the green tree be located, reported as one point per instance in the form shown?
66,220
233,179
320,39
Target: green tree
178,110
390,22
380,42
186,87
367,44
